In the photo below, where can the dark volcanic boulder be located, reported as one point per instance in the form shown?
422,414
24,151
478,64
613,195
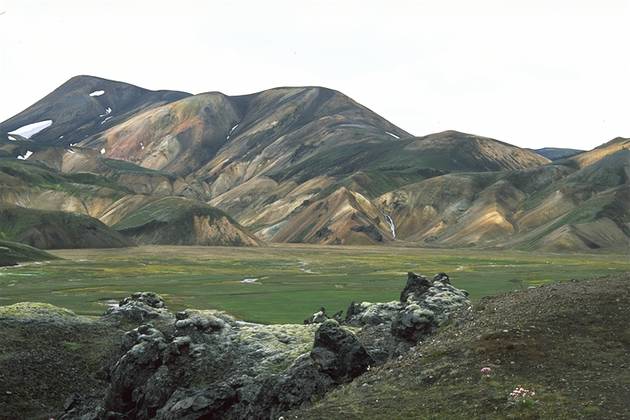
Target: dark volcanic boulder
416,287
148,298
134,369
191,404
337,357
338,353
317,318
427,307
148,373
139,307
321,316
367,313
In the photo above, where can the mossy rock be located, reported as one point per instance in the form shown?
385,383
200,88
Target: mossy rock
24,310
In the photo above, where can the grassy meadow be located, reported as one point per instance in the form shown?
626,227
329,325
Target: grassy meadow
292,280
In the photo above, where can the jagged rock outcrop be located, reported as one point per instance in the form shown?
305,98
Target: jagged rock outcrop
139,307
367,313
158,376
389,329
206,364
321,316
338,353
421,300
427,307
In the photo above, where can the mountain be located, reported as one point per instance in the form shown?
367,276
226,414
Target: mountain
181,221
56,229
60,210
555,153
80,107
600,152
227,140
12,253
552,207
302,164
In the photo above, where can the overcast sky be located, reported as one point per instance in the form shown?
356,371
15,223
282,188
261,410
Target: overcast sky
533,73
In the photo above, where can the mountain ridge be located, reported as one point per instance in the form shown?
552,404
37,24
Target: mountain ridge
280,161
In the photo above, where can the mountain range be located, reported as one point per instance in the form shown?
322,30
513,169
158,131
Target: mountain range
290,164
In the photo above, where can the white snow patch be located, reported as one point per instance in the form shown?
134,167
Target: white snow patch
12,138
108,111
231,131
105,120
97,93
27,155
71,151
31,129
393,135
392,226
103,151
142,145
249,281
60,137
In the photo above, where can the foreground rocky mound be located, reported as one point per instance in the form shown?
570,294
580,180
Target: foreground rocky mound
559,351
206,364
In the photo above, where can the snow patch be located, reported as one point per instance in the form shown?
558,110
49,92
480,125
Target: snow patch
97,93
141,145
31,129
103,151
231,131
392,226
105,120
393,135
108,111
12,138
26,155
249,281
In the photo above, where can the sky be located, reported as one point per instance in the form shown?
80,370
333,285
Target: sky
533,73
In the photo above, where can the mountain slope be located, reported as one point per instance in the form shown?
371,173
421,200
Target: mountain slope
243,136
56,229
455,151
304,164
552,207
49,199
12,253
555,153
180,221
600,152
80,107
343,217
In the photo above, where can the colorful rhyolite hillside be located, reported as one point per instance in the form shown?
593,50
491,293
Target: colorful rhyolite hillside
294,164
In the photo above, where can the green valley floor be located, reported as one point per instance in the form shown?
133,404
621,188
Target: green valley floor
280,283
